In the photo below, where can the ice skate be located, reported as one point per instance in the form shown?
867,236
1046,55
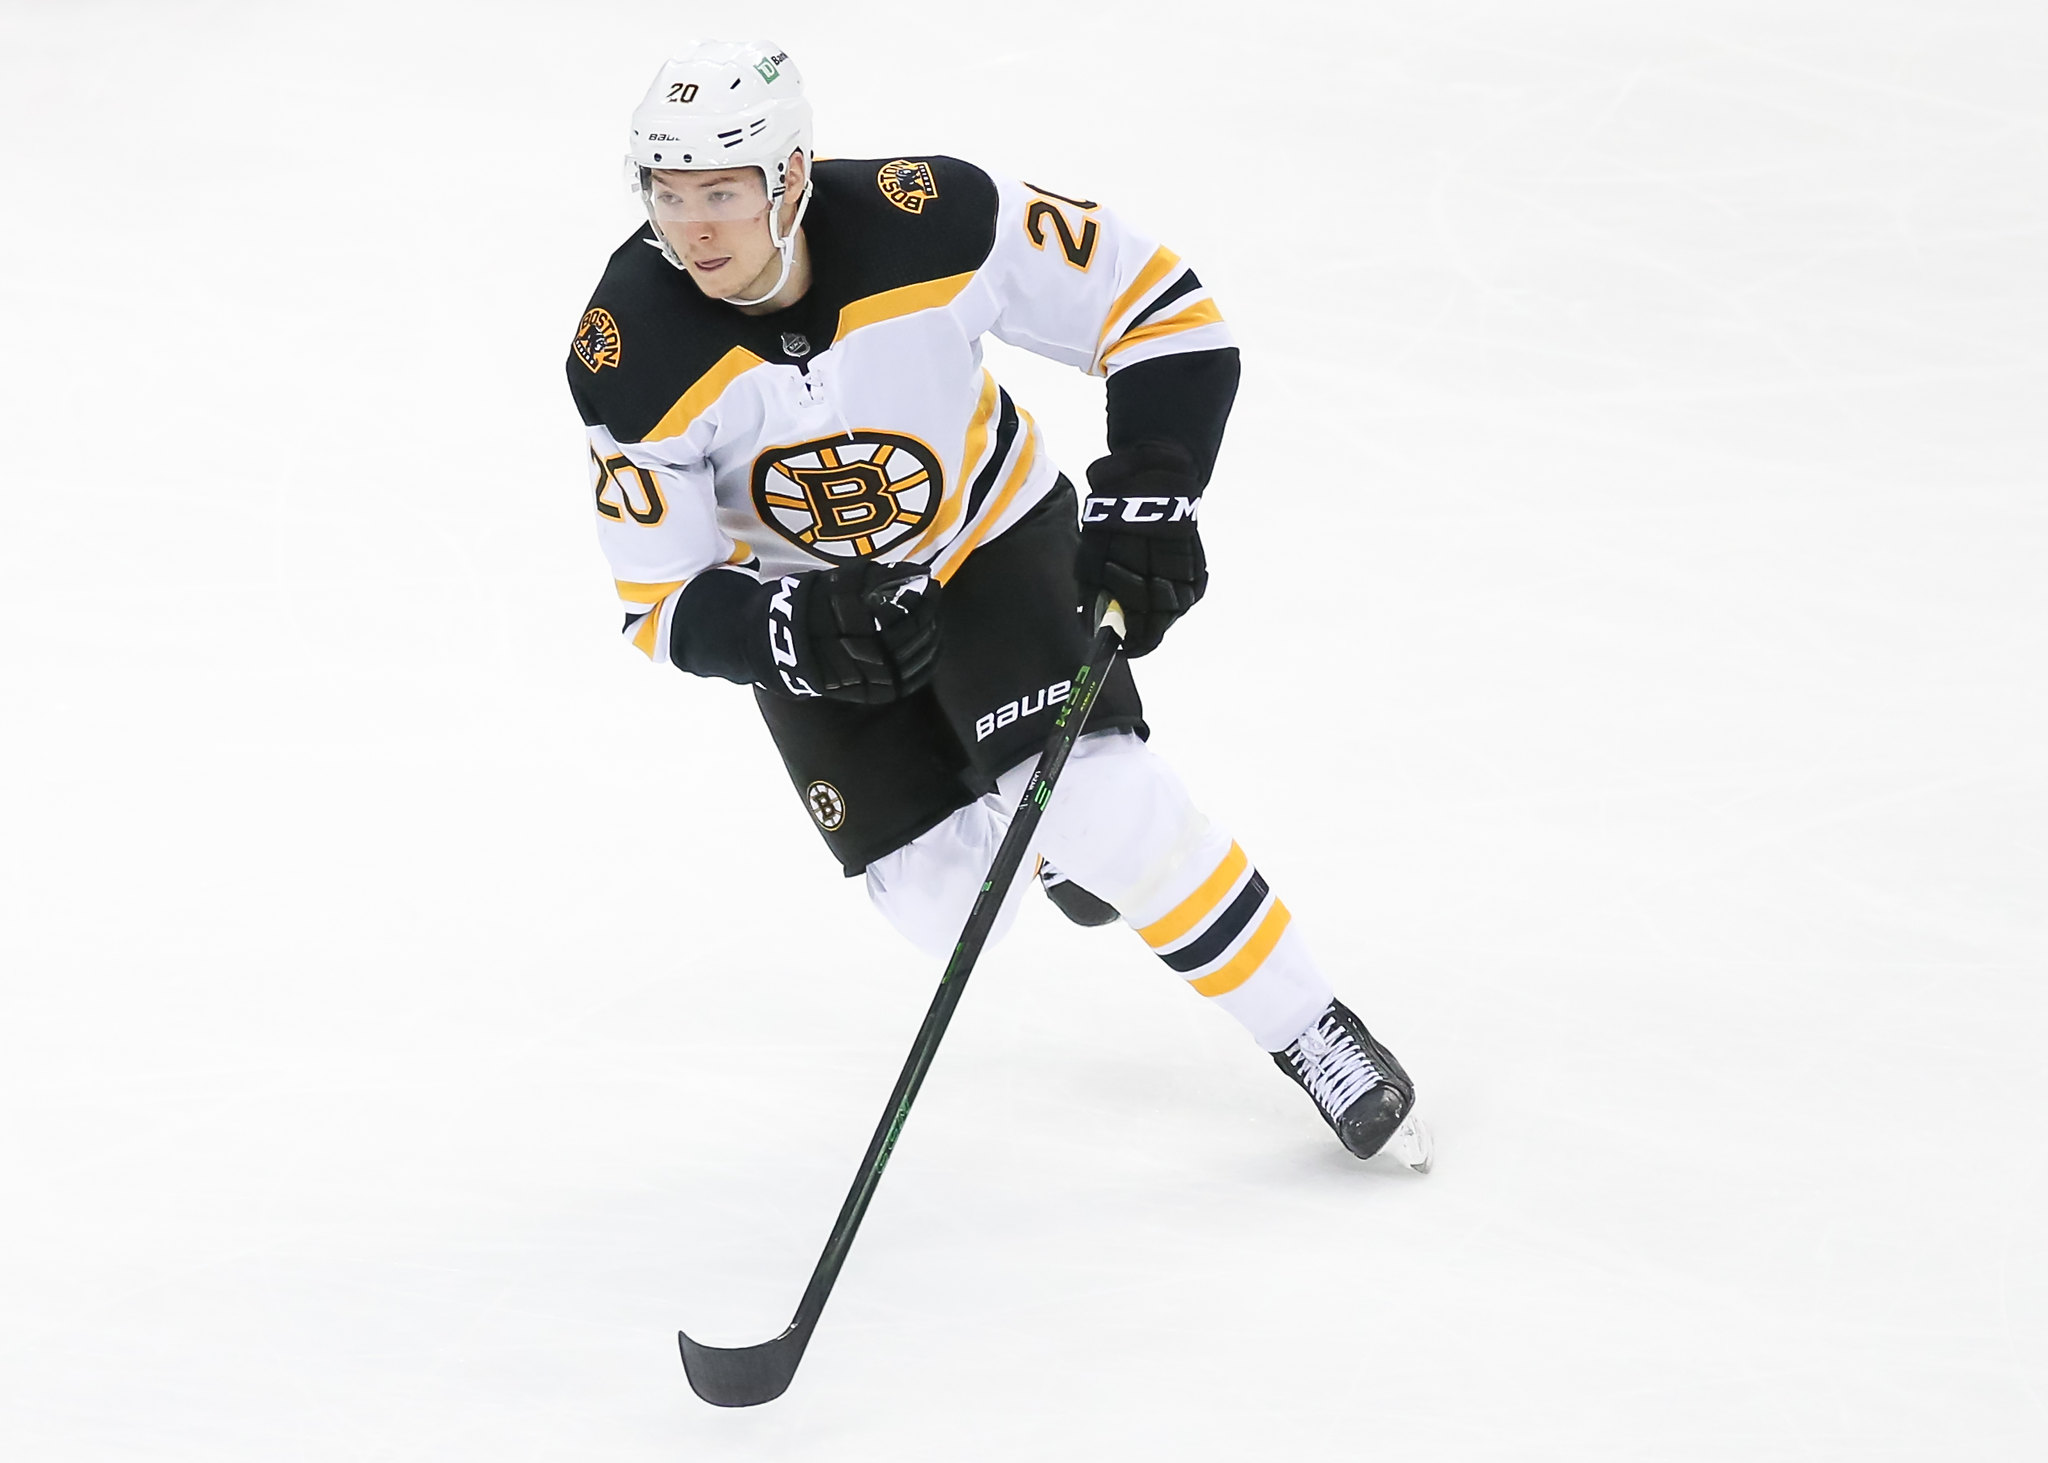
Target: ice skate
1360,1089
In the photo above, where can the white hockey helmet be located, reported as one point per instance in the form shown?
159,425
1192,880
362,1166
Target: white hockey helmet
726,104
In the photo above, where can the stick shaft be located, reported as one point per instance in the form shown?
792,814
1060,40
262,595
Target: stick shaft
1073,715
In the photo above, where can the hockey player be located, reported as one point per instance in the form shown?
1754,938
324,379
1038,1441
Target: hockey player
806,482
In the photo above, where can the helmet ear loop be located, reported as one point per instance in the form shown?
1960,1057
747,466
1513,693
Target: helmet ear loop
785,244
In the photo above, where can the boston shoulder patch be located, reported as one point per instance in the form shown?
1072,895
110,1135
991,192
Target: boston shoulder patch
597,339
907,184
851,496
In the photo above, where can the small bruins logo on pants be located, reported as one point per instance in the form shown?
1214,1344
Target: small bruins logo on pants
907,184
597,340
827,806
851,496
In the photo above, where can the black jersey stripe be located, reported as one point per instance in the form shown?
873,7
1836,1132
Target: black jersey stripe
1186,285
1227,926
1006,438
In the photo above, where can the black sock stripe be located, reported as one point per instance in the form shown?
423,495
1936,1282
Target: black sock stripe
1226,927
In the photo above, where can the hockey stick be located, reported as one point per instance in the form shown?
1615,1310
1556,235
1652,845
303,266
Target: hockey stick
746,1376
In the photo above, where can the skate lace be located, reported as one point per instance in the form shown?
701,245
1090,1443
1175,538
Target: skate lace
1331,1066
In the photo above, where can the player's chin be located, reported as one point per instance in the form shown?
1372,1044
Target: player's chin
723,279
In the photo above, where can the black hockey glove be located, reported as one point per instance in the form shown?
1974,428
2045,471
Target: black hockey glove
863,632
1138,539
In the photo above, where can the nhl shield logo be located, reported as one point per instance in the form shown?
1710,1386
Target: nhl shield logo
849,497
597,340
828,808
907,184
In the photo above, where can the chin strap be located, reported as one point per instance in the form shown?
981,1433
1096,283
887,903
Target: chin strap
785,246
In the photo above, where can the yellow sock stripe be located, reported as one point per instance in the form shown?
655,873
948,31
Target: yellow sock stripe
1155,271
1202,312
1246,962
1199,905
957,555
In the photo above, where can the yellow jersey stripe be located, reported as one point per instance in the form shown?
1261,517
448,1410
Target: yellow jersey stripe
957,555
650,626
908,300
707,389
1156,269
1199,905
1202,312
1245,963
646,594
970,459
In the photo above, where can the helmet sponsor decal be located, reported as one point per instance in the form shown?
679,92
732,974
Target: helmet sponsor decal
851,496
828,808
907,184
597,340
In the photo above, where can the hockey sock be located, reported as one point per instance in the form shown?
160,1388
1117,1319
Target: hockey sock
1130,834
1123,827
1232,940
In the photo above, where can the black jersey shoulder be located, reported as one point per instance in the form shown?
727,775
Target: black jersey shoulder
873,225
880,224
647,336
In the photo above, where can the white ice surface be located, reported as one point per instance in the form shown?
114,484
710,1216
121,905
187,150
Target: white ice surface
1626,653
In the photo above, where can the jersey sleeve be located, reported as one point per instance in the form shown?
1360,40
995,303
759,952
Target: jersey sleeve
1076,283
658,526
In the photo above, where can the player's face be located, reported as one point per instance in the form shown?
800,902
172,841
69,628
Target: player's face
717,222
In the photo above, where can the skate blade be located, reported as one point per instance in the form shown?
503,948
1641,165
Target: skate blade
1413,1145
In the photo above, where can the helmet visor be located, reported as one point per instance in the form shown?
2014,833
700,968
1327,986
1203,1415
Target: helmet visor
730,195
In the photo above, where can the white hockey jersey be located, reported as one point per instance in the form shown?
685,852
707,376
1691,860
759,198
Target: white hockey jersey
860,422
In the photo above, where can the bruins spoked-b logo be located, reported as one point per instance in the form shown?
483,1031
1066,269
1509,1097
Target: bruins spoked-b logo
827,806
849,497
597,340
907,184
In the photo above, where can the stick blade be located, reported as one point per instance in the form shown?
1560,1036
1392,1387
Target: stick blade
743,1376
